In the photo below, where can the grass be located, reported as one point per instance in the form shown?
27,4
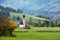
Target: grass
33,35
34,29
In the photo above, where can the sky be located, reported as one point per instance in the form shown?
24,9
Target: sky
26,4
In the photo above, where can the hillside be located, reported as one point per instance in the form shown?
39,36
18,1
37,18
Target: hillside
34,19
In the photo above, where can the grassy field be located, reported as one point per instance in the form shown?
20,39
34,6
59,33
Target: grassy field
33,35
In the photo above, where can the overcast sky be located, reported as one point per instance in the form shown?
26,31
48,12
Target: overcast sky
31,4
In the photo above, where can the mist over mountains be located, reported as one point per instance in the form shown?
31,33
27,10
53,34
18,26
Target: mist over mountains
49,8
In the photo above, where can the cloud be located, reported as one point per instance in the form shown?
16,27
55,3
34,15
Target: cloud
20,2
15,3
26,4
1,1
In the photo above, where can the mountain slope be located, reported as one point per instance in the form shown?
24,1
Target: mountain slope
34,19
52,11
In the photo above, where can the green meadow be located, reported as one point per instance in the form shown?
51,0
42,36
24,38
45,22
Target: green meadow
33,35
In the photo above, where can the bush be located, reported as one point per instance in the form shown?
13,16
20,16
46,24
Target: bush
6,24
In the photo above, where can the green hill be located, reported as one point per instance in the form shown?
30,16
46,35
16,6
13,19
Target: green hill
27,16
34,19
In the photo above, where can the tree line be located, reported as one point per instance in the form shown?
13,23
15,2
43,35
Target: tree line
45,23
42,16
9,9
